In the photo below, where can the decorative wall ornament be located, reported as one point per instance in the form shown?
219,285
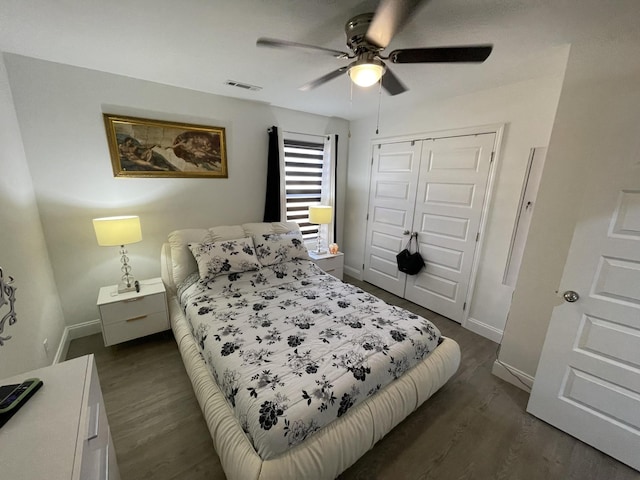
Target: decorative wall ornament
7,297
153,148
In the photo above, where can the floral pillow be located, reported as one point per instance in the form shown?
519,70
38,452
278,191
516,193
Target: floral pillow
275,248
225,256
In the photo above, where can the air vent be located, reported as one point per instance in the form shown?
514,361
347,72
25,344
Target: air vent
245,86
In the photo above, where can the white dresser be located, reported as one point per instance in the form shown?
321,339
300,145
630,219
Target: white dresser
62,431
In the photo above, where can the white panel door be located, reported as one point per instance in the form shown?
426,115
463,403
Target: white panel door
588,378
392,193
450,196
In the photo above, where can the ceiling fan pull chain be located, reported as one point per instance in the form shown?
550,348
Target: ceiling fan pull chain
351,96
379,101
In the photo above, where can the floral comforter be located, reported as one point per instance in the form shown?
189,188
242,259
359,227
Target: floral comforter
293,348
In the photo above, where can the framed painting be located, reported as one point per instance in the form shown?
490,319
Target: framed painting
155,148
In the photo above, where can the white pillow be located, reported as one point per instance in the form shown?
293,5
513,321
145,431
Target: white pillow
182,259
273,248
225,256
183,263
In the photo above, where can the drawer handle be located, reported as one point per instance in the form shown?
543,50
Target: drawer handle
94,420
129,300
105,470
136,318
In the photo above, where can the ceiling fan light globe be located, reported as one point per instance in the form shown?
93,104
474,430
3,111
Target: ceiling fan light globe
366,74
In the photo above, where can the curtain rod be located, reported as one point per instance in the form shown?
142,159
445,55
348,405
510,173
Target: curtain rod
307,134
301,133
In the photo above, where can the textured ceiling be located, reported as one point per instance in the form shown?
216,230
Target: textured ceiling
199,44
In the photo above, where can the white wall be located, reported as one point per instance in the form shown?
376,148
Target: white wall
23,254
527,109
60,111
598,116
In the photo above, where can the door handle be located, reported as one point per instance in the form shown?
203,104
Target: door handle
406,232
570,296
94,421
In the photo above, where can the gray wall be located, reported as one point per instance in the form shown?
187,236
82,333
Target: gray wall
23,254
598,116
60,109
527,109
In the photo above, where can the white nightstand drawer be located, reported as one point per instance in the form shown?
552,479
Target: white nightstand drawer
135,327
330,264
132,308
336,272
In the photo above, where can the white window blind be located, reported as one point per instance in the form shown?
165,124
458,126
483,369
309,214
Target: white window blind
305,170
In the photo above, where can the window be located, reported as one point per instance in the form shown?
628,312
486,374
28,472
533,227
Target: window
308,179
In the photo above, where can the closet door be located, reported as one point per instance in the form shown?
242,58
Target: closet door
392,194
450,196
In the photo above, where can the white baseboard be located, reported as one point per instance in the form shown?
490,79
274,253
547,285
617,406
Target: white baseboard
72,332
481,328
511,374
353,272
63,347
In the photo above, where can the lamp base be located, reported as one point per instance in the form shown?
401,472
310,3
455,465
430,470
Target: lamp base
319,246
123,288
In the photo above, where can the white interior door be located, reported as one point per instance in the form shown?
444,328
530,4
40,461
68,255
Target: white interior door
450,197
392,193
588,378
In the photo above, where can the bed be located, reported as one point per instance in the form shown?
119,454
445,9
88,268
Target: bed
297,373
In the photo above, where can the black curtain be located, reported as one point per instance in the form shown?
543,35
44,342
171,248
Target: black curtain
272,202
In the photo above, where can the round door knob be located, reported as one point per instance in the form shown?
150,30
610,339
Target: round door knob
571,296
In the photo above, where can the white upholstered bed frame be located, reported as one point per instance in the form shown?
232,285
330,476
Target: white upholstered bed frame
327,452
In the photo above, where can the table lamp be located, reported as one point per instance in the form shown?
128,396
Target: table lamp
114,231
320,215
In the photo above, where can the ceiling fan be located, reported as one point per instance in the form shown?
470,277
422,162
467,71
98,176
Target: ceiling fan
368,35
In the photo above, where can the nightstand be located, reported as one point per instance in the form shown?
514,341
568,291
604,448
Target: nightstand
332,263
132,315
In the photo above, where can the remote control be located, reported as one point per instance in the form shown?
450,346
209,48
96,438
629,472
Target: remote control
14,396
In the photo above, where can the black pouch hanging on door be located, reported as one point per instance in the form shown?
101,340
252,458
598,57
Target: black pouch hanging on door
410,263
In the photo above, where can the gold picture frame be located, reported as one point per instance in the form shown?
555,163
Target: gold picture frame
140,147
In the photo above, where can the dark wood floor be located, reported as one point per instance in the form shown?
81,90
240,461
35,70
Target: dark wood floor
475,427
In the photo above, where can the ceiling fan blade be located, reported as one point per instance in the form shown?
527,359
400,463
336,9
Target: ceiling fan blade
324,79
389,19
392,84
275,43
460,54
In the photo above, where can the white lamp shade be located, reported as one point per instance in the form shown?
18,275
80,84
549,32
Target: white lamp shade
366,74
113,231
320,214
